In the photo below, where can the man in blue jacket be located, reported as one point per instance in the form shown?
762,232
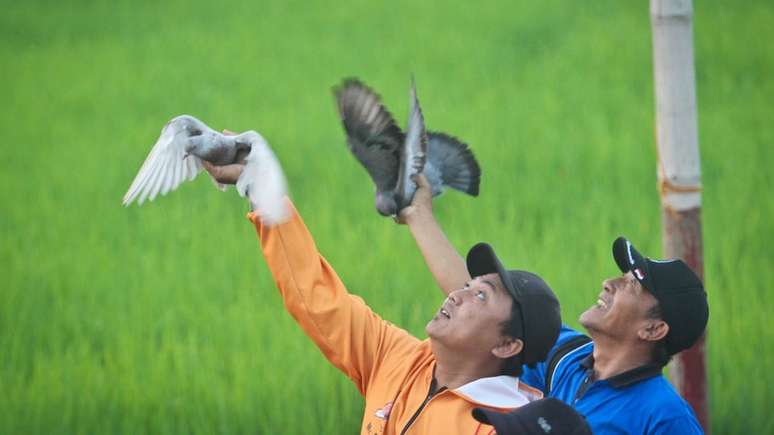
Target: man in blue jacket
654,310
641,318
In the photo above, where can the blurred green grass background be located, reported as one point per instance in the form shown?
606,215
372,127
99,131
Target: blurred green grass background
164,318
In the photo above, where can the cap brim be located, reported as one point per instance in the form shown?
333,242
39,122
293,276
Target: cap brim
482,260
482,415
502,422
629,259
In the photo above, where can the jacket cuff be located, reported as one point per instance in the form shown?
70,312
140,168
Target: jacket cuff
255,215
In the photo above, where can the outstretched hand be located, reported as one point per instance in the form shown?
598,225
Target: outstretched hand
421,204
227,174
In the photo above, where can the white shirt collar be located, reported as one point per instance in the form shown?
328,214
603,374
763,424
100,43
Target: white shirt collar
498,391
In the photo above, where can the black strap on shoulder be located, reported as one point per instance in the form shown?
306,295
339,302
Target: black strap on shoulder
560,352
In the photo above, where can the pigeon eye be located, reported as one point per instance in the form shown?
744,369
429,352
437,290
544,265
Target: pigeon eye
195,132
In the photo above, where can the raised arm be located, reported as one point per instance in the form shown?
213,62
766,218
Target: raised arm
445,263
344,328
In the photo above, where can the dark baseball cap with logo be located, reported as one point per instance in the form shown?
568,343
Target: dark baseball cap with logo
545,416
540,315
680,293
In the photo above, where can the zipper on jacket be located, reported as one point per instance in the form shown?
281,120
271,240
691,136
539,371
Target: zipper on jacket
584,386
430,395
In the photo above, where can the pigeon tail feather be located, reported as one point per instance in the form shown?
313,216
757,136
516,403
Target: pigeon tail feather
455,162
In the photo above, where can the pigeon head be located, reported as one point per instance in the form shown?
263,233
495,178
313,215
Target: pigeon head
201,141
195,146
385,203
188,126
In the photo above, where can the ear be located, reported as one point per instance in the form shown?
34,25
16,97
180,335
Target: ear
508,347
654,330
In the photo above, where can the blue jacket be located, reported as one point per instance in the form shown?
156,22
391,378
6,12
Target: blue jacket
638,401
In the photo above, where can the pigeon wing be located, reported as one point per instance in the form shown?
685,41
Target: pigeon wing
413,153
450,162
372,134
165,168
263,181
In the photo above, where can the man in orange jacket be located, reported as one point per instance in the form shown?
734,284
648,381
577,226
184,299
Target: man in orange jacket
478,339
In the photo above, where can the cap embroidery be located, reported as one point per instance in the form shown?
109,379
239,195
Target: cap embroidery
629,252
639,274
544,425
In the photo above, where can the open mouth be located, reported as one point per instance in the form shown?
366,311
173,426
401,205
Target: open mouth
444,313
601,303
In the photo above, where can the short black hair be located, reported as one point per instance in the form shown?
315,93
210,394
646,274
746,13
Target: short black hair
512,328
659,354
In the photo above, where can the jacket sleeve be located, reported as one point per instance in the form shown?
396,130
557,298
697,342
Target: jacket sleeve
349,334
683,425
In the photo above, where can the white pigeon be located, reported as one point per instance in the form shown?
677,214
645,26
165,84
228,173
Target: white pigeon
178,153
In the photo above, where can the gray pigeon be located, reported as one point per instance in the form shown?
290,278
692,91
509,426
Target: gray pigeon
178,153
392,158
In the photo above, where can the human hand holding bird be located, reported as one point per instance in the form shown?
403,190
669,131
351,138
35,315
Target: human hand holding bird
187,145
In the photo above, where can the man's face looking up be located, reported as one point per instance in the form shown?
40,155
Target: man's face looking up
621,310
471,318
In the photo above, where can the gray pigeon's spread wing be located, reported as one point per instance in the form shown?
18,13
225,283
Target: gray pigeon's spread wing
263,181
372,134
413,153
165,168
451,163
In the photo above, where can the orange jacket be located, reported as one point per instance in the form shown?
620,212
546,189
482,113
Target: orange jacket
392,369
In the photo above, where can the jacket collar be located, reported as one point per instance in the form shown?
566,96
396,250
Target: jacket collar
628,377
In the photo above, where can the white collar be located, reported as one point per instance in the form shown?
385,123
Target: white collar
498,391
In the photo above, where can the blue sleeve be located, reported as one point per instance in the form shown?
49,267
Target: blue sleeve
683,425
536,377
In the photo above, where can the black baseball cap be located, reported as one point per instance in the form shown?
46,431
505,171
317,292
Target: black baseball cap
540,316
680,293
545,416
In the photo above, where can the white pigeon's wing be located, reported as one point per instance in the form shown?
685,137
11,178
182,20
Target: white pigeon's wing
413,154
263,182
164,169
372,134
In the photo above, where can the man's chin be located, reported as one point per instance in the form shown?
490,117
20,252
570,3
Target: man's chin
436,327
431,328
587,319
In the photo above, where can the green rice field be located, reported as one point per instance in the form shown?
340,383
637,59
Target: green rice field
163,319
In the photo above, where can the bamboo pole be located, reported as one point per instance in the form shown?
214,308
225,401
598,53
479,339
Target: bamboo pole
679,174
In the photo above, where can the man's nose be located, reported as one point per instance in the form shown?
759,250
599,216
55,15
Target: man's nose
456,296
